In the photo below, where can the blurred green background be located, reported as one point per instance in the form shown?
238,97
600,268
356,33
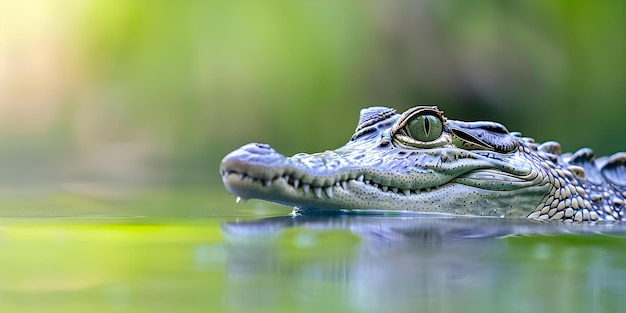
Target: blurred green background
106,99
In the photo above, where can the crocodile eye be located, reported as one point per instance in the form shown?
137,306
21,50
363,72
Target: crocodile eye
424,128
421,127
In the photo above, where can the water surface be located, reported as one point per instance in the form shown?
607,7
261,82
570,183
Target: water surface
273,262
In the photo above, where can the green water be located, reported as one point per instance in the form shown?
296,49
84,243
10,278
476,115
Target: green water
238,258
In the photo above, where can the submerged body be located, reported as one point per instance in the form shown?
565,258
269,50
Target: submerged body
421,161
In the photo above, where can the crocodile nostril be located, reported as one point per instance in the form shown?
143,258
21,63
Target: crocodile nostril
258,148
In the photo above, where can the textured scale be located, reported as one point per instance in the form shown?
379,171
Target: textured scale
586,190
475,168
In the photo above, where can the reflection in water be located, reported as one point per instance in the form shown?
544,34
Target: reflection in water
407,263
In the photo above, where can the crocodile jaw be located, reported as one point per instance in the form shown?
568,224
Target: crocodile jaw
354,194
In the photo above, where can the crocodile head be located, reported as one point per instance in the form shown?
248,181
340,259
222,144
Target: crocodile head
417,161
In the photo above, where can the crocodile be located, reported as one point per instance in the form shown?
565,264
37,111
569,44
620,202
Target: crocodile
421,161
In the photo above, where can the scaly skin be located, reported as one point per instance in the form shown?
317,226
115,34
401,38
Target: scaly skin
420,161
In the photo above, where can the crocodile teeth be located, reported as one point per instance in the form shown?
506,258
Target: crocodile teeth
344,184
329,191
318,191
